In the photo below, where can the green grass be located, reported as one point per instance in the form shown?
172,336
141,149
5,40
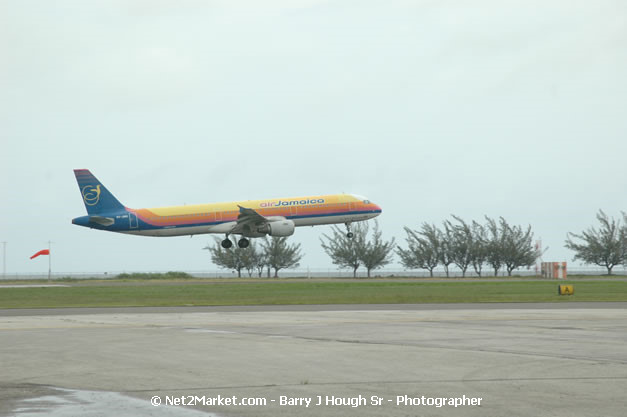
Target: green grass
185,294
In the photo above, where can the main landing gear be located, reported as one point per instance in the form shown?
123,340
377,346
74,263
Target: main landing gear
242,243
349,234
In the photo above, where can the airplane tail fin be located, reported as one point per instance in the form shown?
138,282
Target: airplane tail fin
96,197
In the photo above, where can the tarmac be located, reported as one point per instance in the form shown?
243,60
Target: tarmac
393,360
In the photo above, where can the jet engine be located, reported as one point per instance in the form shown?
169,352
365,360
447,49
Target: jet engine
279,228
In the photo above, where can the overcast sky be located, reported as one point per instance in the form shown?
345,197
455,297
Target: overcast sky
429,108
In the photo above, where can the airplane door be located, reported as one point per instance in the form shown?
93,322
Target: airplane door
132,219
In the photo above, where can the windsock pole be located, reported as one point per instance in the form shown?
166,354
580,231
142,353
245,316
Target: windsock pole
49,261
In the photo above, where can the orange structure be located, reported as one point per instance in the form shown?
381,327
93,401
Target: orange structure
555,270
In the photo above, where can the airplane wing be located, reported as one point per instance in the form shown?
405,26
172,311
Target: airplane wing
252,224
250,216
248,221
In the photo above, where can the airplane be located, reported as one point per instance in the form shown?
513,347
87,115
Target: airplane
249,219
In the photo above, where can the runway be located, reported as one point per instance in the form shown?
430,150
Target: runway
562,359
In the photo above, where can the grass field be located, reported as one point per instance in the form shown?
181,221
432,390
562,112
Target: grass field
303,292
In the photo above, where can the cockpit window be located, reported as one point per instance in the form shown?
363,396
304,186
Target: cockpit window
366,201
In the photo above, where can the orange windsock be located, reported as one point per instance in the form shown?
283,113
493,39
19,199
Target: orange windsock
41,252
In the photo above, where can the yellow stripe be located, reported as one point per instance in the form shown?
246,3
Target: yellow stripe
254,204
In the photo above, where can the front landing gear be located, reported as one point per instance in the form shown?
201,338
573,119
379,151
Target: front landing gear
349,234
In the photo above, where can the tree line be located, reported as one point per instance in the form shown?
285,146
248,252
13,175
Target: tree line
493,244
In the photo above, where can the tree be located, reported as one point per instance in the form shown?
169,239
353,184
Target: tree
344,251
494,245
479,251
376,252
460,243
509,246
260,262
235,258
606,246
518,248
423,248
252,258
280,255
446,250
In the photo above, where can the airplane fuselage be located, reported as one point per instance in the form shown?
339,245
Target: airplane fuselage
259,218
222,217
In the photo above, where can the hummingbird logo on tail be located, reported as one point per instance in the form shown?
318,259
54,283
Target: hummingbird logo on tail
91,195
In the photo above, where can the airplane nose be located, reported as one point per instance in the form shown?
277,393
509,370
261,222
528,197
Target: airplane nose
377,209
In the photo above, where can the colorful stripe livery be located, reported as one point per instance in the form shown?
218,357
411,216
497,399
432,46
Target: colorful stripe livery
105,212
